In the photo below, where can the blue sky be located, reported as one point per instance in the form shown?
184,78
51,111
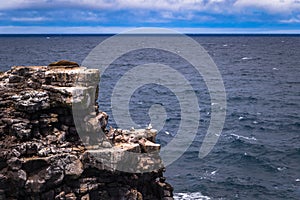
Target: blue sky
113,16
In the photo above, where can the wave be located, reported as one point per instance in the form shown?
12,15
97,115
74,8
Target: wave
242,98
247,58
243,137
250,58
190,196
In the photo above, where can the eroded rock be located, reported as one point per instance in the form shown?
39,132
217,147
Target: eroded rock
42,154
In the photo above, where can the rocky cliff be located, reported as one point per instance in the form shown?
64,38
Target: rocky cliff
46,152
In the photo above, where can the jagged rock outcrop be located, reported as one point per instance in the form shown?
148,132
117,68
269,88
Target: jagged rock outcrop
43,155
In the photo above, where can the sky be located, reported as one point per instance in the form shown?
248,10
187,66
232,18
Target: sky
114,16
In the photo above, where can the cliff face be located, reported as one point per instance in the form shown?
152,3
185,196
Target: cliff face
43,155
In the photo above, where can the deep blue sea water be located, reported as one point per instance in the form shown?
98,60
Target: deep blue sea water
258,153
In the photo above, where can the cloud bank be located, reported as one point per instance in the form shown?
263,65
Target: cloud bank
276,14
197,5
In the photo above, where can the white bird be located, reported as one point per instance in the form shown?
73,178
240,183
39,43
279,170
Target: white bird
149,127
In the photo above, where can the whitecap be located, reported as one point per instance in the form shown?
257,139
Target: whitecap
166,132
297,180
214,172
190,196
225,45
275,69
246,58
240,118
243,137
255,122
281,168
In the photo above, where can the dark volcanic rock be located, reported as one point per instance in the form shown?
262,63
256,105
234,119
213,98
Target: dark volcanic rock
42,154
63,63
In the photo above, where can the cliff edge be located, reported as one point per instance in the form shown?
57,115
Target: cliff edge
44,155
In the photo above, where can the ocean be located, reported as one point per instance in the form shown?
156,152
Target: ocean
257,155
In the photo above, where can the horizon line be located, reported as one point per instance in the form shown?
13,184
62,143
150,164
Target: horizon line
91,34
97,30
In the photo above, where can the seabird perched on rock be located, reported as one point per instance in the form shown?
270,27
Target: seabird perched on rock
149,127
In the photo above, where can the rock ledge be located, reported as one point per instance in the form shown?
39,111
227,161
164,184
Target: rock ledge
42,154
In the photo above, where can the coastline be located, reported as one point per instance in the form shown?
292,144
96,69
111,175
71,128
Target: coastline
44,157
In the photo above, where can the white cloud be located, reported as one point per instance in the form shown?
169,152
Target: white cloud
139,4
208,5
172,5
166,11
113,4
59,29
270,5
162,4
293,20
172,16
29,19
101,29
15,4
